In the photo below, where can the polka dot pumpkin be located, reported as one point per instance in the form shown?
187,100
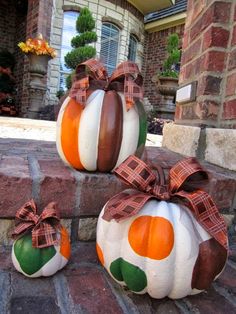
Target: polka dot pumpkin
162,250
37,262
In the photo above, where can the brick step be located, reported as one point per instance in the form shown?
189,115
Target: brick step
32,169
83,286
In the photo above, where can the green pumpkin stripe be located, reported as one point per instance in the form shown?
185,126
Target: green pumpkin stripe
31,259
132,275
142,128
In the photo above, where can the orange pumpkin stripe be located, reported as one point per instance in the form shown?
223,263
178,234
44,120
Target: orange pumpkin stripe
70,133
65,243
151,237
100,254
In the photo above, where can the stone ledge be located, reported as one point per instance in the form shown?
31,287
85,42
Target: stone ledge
181,139
221,147
216,146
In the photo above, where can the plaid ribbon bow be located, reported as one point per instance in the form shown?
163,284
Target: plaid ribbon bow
43,227
126,78
140,176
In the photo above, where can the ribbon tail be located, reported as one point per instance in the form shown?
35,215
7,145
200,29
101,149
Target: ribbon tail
205,211
21,229
124,205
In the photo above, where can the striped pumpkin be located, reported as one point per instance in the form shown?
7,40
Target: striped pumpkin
162,250
37,262
101,135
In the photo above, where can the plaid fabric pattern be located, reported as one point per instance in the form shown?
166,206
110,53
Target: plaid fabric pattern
43,227
138,175
205,211
182,170
78,90
94,70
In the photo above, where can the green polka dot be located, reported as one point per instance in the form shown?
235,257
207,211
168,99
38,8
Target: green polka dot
31,259
132,275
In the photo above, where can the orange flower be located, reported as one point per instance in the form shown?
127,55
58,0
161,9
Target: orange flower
37,46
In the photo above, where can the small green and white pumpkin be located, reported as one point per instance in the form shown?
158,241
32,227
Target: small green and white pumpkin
162,250
37,262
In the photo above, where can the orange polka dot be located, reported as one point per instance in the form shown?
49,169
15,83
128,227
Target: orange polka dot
100,254
151,237
65,243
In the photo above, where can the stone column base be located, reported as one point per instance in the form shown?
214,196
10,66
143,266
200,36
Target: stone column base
217,146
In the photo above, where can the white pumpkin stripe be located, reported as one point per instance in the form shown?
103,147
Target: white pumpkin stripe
89,130
130,132
58,130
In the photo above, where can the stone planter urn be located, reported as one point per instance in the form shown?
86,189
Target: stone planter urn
38,65
167,86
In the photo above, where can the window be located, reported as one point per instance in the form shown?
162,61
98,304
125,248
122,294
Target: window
109,46
68,32
132,48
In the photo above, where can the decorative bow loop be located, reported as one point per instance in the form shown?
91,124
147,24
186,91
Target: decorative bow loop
92,73
181,182
44,227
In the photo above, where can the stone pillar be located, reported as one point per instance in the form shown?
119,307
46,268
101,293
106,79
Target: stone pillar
205,121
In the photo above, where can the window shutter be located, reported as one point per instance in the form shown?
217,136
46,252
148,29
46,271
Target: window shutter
132,48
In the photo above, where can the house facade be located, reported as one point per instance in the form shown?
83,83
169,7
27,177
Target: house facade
123,33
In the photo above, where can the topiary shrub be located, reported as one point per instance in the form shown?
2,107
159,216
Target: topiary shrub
173,58
81,50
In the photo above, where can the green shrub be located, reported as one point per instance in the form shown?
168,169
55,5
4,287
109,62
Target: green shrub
83,39
85,21
173,57
76,56
81,50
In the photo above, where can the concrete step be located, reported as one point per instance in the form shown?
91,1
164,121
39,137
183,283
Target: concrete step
83,286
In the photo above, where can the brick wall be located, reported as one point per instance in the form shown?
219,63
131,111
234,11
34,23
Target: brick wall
20,35
7,24
12,31
155,54
209,54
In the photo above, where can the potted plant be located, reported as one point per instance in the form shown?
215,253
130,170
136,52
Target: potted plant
167,79
39,53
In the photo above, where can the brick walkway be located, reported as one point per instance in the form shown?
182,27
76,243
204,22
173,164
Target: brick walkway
84,287
33,169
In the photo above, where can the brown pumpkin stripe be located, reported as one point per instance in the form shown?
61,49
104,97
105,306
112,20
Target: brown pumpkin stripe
110,134
70,133
210,262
